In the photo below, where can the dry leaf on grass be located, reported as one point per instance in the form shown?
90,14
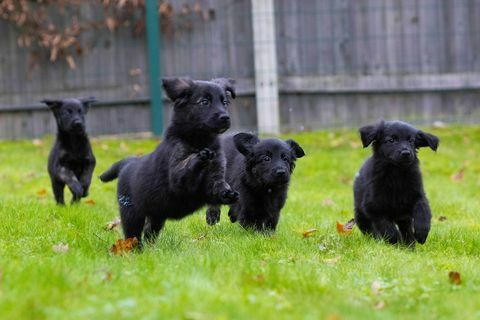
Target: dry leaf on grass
113,224
309,232
442,218
454,277
124,246
42,192
90,202
258,278
376,287
328,202
331,261
458,176
60,248
347,228
37,142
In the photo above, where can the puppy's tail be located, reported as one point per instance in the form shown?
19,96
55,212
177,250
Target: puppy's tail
114,171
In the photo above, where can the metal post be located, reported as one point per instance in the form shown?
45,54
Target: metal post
266,74
153,52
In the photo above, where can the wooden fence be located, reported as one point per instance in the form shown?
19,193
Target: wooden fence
340,63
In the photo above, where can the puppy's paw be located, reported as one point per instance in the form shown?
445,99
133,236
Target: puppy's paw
213,216
232,215
421,235
85,193
77,191
229,196
206,154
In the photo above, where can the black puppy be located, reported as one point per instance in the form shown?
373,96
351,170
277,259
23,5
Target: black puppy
260,171
71,161
187,170
388,191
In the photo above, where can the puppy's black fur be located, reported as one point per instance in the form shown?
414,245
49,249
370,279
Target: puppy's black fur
390,202
187,170
260,171
71,161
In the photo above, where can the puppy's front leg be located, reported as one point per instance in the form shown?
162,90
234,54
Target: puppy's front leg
386,229
213,215
218,190
86,177
186,173
421,220
69,178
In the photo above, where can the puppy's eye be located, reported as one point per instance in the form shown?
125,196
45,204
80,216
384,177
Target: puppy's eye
266,158
204,102
69,111
411,140
284,158
391,140
226,102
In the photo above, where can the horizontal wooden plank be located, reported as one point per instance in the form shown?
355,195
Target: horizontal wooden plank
381,83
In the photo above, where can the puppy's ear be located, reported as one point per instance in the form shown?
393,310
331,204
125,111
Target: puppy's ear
227,84
52,104
424,139
370,133
86,102
177,87
244,142
297,150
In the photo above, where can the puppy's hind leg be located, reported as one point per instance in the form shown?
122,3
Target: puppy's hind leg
213,215
386,229
132,222
406,230
58,187
363,222
152,228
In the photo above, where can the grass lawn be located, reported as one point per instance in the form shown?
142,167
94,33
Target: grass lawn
195,271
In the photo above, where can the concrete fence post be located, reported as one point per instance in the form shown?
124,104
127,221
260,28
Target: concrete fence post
266,72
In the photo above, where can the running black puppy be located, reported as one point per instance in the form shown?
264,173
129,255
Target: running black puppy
260,171
388,191
71,161
187,170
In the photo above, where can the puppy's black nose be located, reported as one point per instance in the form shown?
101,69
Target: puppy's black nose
405,153
281,172
224,118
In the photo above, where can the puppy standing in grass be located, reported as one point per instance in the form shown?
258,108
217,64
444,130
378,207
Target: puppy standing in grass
187,170
390,202
260,171
71,161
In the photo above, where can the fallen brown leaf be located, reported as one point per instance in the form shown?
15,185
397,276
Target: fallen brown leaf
107,276
37,142
90,201
258,278
376,287
454,277
458,176
113,224
347,228
124,246
331,261
60,248
327,202
42,192
442,218
309,232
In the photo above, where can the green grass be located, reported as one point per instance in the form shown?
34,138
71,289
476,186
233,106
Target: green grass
224,272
